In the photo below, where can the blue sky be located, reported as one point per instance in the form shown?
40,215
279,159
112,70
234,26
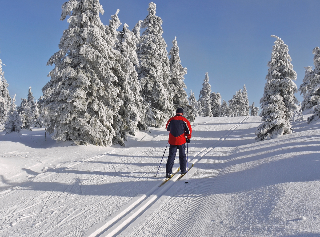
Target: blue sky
229,39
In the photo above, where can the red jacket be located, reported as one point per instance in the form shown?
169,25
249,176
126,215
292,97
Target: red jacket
179,128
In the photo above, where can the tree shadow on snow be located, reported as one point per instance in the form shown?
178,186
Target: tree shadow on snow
294,167
34,139
80,186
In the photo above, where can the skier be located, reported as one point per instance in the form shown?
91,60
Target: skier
180,133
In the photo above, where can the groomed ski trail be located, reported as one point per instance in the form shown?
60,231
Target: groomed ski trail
122,222
66,195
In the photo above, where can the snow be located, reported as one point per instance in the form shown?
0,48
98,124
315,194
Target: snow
237,187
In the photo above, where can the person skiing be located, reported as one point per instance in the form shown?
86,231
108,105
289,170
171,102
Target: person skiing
179,133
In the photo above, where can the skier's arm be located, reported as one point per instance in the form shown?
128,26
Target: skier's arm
168,125
188,129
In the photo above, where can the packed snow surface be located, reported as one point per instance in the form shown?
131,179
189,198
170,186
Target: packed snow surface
237,187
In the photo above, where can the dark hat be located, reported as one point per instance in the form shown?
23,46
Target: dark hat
179,111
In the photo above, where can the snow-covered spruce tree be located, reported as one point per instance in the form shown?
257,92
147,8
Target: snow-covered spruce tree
204,98
26,114
193,103
119,126
26,111
38,120
310,88
154,72
239,104
224,110
20,109
45,120
278,103
244,103
136,32
232,107
80,100
215,104
5,100
306,89
190,113
30,100
131,113
13,120
312,95
235,104
177,85
254,110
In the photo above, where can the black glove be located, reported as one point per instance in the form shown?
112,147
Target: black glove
188,140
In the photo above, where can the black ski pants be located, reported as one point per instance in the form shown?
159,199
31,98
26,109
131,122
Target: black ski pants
172,156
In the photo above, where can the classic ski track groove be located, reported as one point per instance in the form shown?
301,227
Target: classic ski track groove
124,218
193,205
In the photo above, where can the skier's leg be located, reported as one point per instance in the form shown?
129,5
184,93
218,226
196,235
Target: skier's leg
171,157
182,158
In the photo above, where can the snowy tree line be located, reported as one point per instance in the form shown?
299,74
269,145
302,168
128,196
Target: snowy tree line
108,83
14,118
210,105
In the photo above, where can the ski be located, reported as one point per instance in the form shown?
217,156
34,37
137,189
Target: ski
167,179
181,175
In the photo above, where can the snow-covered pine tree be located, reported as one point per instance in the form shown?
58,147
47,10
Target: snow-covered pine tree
204,98
154,72
244,104
278,103
26,111
224,110
80,100
133,40
45,120
306,89
180,97
312,95
32,105
13,120
119,126
26,114
5,100
131,113
254,110
310,88
215,104
193,103
239,104
38,121
235,104
232,106
30,99
136,31
20,110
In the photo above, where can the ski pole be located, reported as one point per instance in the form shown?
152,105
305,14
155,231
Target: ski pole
161,160
187,162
